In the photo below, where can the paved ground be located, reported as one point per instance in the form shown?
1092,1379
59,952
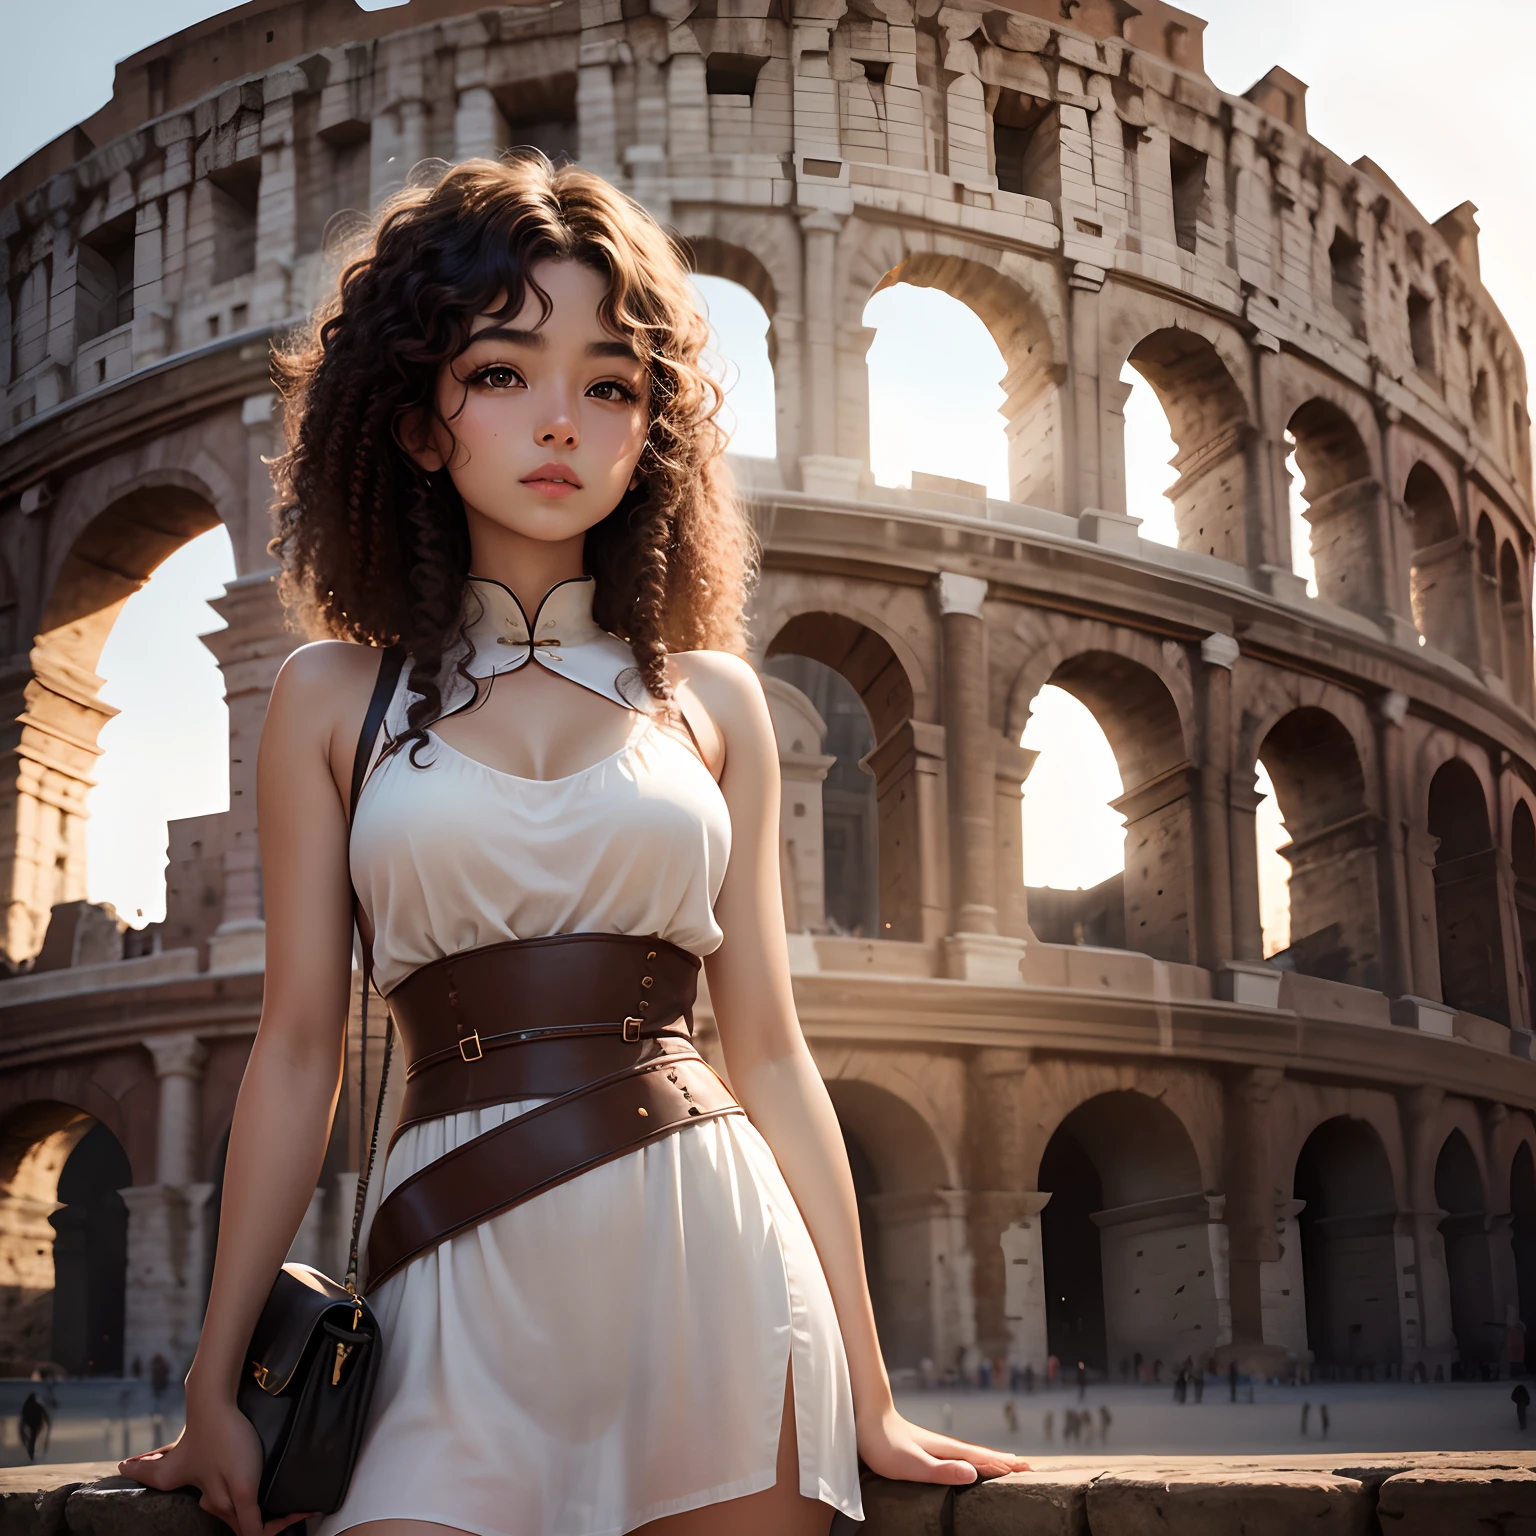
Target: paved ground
1461,1416
103,1420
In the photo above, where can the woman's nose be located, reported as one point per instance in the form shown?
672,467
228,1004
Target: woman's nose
558,429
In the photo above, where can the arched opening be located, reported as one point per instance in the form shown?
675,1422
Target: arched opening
906,1221
829,845
165,751
109,561
950,439
1438,577
1522,1235
1074,839
1466,894
1129,1267
874,677
1468,1258
1347,1221
741,344
1319,787
1149,454
1208,419
1522,855
63,1242
1140,720
1340,504
1515,627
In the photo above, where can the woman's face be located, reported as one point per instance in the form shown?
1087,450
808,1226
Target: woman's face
546,417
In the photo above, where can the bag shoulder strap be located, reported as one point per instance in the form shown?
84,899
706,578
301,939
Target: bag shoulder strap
390,663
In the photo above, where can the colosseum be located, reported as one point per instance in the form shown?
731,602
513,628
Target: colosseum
1096,1124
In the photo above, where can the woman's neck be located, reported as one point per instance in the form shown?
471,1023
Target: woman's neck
530,567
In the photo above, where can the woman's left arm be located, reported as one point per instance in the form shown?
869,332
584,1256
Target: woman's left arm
776,1080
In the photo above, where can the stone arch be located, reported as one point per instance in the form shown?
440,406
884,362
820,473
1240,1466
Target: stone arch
1130,1270
1347,1219
1027,325
1486,586
1211,423
1344,507
1461,1191
1145,728
902,759
63,1239
906,1214
1467,908
1320,784
1522,858
106,560
1514,624
1440,569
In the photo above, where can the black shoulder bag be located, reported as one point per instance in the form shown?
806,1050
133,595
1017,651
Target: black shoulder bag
313,1358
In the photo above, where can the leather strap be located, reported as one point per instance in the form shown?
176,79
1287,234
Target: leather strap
541,1149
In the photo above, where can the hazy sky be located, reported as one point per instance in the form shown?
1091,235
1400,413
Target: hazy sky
1440,103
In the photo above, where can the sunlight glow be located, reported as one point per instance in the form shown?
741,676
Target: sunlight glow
1301,529
1149,450
738,361
1072,839
1274,872
934,391
166,755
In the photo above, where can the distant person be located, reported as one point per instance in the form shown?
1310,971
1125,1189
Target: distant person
1136,1361
1011,1416
1200,1384
1306,1414
1322,1415
1105,1420
1050,1427
34,1422
1232,1378
1181,1386
1029,1379
1082,1380
1522,1401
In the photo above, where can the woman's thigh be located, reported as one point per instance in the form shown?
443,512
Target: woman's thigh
777,1511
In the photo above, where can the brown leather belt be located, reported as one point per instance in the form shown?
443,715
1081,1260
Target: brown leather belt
599,1024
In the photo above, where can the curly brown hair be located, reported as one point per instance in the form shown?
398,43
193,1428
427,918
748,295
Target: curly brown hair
374,548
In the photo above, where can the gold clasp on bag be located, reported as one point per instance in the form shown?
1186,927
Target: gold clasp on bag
632,1030
342,1351
466,1043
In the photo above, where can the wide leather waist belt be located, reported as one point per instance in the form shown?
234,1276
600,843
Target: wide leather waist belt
600,1025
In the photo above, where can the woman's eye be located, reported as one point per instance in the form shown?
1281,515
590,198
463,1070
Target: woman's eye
498,376
612,389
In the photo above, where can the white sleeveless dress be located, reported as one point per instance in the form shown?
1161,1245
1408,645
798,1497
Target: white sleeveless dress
614,1350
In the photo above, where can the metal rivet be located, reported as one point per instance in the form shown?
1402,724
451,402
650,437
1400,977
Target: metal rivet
646,1113
647,981
652,955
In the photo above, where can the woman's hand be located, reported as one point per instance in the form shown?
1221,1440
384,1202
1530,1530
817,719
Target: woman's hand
218,1453
897,1448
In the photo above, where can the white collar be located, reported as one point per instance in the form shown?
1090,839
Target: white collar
563,638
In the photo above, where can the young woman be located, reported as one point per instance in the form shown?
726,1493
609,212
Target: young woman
504,460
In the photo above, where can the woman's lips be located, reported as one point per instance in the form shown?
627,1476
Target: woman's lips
553,480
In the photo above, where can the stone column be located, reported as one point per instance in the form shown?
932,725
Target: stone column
975,949
277,208
822,470
1002,1208
910,772
1250,1214
250,652
1397,976
1215,873
1243,849
1013,768
479,129
1430,1282
167,1220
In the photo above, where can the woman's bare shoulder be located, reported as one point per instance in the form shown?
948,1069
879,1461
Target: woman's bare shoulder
322,685
730,691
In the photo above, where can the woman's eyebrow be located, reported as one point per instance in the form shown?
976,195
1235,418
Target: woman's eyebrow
521,338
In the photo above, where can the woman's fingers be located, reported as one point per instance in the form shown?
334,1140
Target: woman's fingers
274,1526
152,1468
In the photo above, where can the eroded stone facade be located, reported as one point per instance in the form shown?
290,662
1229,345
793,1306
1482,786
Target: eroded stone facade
1324,1163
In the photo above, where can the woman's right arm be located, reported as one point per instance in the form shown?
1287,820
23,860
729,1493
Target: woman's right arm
287,1098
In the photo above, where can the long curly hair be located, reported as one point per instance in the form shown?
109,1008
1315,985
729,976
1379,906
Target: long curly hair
375,549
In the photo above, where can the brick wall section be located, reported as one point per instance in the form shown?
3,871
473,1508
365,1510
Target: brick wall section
1429,1495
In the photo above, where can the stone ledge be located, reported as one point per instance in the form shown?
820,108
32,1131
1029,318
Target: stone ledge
1430,1494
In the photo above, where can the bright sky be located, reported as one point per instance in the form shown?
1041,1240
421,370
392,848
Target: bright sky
1442,106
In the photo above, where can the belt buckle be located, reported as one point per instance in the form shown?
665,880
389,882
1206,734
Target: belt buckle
472,1039
631,1030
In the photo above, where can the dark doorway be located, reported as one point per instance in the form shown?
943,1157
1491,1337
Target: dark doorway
1468,1259
1074,1267
90,1257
